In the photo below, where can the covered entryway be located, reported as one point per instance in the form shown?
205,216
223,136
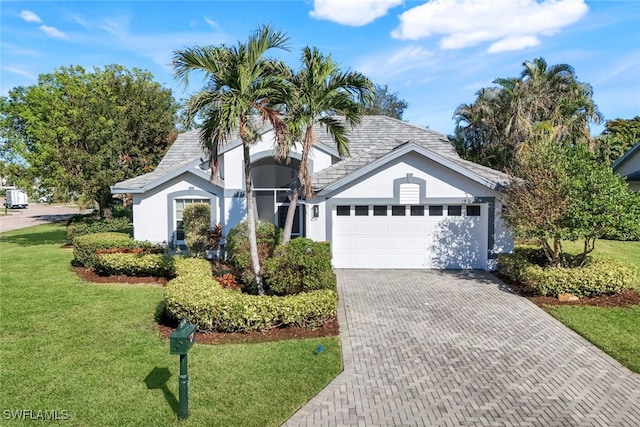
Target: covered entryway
410,236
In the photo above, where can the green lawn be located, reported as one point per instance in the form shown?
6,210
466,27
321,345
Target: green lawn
614,330
623,251
92,350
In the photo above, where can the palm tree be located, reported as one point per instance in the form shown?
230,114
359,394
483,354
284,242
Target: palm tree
318,92
545,102
242,85
558,102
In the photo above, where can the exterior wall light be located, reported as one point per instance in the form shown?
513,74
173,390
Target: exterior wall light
316,211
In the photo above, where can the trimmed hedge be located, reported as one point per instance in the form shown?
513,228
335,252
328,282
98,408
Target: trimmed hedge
301,265
131,264
237,247
195,296
597,277
119,225
86,246
192,267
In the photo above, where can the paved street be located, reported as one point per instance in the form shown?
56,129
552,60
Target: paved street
430,348
36,213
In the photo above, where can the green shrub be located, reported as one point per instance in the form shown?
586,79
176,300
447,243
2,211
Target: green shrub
86,246
302,265
268,236
203,302
192,267
119,225
596,277
131,264
197,221
196,296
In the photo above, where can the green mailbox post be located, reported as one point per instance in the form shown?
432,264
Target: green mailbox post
180,342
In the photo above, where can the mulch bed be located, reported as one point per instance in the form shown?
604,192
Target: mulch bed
90,276
625,298
330,329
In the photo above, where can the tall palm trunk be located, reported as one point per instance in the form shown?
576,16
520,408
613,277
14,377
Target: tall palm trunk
291,213
251,220
303,180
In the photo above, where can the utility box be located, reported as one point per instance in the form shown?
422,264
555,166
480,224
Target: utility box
182,339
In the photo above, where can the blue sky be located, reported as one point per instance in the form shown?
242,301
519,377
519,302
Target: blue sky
435,54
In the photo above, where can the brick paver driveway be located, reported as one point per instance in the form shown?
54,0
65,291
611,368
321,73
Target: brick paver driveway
436,348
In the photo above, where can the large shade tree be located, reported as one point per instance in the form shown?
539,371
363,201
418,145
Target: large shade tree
242,88
545,101
564,193
319,91
80,132
384,102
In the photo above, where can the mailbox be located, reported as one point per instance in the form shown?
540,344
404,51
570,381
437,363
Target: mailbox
183,338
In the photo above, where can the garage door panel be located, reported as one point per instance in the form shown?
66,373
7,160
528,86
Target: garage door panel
397,228
397,243
359,243
439,242
378,242
361,227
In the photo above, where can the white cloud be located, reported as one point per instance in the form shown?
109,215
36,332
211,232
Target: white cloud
513,43
29,16
19,50
352,12
80,20
409,62
508,24
117,26
52,32
20,72
213,24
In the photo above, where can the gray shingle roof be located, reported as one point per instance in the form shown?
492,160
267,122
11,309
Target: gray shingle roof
379,135
375,130
374,138
186,147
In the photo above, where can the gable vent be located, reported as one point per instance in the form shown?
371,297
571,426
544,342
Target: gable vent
409,194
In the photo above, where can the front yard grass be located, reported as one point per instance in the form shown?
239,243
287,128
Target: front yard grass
93,350
616,331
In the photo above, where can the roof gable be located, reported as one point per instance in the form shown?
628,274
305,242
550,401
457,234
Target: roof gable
633,151
151,180
343,173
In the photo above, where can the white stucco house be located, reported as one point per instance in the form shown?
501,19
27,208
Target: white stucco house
403,199
628,166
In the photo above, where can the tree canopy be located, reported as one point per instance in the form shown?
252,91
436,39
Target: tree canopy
618,137
384,102
543,102
563,193
80,132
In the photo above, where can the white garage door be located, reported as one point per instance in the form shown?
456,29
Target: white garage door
423,236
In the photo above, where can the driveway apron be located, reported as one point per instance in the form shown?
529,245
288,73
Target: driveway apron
438,348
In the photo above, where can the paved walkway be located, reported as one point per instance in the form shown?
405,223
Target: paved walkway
428,348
